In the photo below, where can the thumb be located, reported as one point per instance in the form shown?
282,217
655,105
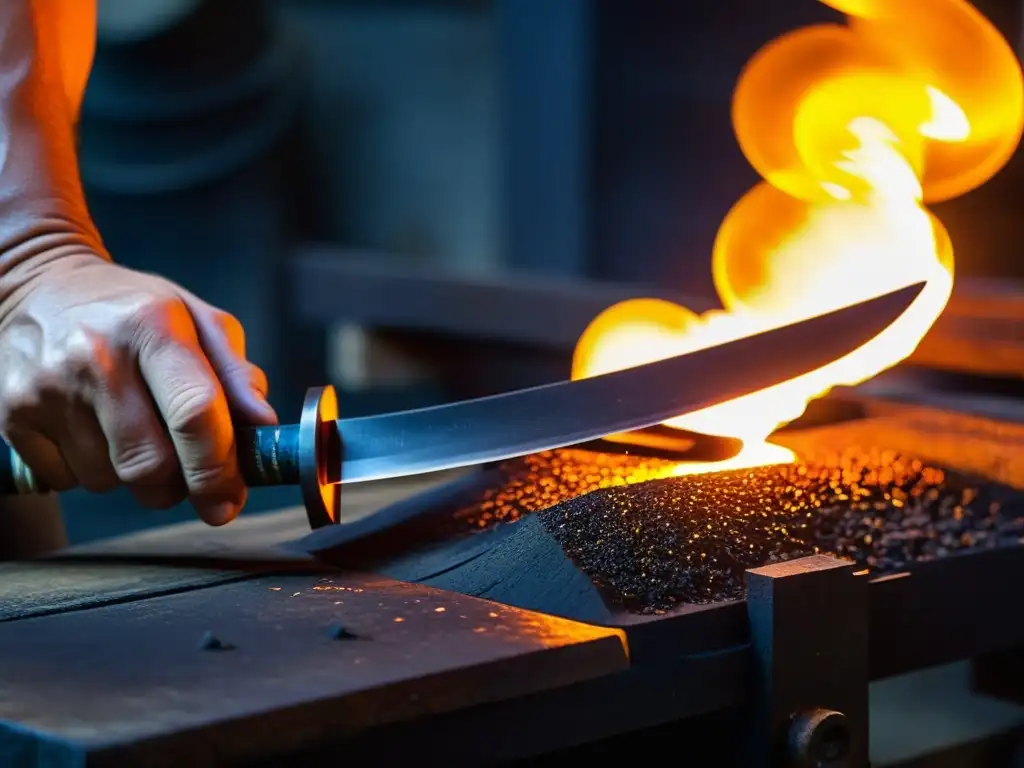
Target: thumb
223,340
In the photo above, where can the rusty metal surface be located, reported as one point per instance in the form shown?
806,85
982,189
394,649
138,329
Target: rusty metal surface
293,661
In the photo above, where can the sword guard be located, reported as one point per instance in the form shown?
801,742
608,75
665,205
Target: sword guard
319,443
298,454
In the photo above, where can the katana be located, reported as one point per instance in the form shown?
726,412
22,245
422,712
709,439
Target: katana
322,451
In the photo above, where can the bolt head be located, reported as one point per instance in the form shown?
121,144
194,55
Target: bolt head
820,738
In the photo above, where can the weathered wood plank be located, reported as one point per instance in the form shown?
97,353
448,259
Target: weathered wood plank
130,685
175,558
40,588
254,538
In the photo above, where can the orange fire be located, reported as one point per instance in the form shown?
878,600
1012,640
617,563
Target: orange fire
854,127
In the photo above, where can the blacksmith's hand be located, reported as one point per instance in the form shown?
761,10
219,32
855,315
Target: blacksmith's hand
107,376
110,376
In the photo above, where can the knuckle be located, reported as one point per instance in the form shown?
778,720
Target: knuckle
243,373
65,372
48,383
189,406
19,397
85,356
258,379
207,478
158,317
143,463
229,325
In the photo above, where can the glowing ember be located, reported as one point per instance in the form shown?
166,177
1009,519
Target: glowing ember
853,127
691,539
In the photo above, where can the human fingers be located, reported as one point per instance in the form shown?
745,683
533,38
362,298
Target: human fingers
27,393
140,450
223,340
82,443
191,401
43,457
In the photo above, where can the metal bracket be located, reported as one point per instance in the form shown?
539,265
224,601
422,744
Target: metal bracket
809,633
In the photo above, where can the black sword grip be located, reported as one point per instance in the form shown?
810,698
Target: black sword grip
292,454
8,487
15,476
266,456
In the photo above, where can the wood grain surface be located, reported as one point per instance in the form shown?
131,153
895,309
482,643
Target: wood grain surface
132,684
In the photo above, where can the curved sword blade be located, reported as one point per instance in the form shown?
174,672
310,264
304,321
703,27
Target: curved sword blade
565,413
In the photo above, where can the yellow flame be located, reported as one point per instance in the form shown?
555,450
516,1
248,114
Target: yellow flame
853,127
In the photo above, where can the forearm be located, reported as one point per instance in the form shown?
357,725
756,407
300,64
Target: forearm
45,55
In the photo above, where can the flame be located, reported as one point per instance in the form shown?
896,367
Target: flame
853,127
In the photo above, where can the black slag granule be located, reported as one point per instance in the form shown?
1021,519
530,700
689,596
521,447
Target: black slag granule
657,543
536,482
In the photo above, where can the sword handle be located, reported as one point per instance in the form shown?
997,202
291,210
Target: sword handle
290,454
17,477
268,455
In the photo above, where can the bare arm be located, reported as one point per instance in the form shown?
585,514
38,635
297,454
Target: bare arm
107,376
46,49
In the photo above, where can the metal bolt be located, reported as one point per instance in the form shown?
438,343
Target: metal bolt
339,632
819,738
211,642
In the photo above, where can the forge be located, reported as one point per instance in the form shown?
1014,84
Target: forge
738,580
620,534
855,130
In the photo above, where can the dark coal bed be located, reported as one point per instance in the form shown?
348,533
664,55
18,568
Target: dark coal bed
651,541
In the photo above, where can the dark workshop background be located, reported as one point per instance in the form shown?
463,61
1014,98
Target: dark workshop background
590,140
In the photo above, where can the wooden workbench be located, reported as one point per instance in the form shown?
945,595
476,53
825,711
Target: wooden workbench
196,646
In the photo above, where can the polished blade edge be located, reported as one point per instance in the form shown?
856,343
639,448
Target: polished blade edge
566,413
